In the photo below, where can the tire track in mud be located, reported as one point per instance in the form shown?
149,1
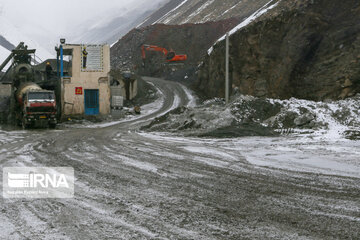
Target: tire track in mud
132,185
61,149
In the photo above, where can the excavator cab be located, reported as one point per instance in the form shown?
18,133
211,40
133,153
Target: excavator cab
170,56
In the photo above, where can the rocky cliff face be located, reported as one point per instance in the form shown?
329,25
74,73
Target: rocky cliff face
305,49
190,39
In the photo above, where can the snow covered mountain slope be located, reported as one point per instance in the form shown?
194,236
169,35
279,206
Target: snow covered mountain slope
111,31
6,44
200,11
4,53
117,23
11,36
96,23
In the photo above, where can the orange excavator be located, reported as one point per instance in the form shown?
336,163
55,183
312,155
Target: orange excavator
170,56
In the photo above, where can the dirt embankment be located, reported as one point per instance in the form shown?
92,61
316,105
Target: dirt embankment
190,39
310,50
252,116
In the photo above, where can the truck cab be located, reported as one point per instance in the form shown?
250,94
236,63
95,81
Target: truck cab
39,108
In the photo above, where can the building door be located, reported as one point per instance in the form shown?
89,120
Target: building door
91,101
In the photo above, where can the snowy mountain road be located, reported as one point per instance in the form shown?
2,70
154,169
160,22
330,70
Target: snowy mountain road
139,185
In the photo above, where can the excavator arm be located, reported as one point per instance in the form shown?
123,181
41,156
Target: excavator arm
169,55
145,48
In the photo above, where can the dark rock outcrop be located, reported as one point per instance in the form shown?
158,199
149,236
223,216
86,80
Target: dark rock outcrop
310,51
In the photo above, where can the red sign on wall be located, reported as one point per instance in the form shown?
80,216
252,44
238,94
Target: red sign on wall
78,90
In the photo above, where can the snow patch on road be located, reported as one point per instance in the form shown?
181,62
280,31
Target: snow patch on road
210,151
32,221
190,96
294,153
176,103
141,165
7,228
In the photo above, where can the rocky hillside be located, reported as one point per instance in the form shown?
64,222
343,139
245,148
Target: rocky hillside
187,26
200,11
305,49
190,39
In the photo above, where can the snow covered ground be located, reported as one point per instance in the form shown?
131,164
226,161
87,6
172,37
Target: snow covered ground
145,185
294,153
332,157
316,137
332,120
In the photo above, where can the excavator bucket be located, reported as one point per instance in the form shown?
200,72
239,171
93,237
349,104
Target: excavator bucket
170,56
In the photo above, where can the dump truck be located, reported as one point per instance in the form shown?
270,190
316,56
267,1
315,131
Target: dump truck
35,106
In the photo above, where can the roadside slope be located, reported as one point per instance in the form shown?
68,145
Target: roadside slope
308,49
190,39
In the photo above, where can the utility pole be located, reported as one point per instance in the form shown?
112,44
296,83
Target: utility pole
227,69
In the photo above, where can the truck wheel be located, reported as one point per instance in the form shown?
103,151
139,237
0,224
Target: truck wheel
52,125
24,125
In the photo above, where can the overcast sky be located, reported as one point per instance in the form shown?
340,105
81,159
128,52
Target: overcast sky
45,21
63,15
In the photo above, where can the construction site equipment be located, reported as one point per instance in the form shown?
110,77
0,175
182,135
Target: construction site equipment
35,105
28,101
7,60
170,56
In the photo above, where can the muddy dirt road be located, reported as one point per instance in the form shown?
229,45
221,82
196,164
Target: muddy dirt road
135,185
